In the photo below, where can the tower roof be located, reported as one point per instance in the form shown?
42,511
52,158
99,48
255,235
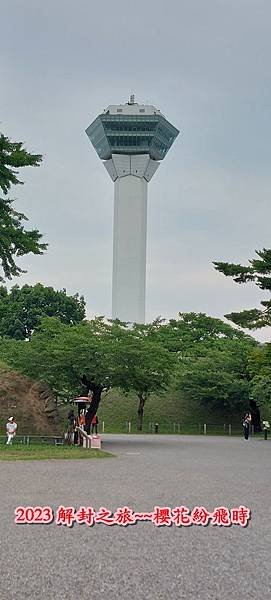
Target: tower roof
132,108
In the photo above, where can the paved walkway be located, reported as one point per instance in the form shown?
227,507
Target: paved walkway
141,562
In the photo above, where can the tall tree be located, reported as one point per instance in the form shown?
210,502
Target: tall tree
15,240
145,366
22,309
259,272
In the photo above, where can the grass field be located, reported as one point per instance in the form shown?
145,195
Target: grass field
47,451
173,414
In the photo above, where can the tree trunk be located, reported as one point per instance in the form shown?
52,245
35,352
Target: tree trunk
96,398
140,411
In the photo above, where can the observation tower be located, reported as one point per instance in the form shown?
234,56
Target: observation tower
131,139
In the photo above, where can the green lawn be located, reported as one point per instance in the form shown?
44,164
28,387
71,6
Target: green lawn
48,451
116,409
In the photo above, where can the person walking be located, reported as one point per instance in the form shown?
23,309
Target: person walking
11,428
246,425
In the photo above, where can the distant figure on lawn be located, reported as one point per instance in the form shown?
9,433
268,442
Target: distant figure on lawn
94,424
246,425
11,428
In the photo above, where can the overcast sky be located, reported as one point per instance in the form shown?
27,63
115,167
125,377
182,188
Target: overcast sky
206,66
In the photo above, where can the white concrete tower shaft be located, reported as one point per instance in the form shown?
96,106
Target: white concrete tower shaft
129,249
131,175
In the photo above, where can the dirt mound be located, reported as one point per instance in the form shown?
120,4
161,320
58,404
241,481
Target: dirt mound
31,403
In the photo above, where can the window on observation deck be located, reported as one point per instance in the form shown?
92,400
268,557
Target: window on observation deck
131,134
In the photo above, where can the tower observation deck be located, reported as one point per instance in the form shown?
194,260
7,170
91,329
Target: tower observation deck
131,139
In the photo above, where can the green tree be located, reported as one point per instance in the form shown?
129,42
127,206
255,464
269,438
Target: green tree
22,309
260,370
217,375
15,240
212,358
146,367
259,272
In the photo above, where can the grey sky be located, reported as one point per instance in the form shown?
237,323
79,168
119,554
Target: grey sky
206,65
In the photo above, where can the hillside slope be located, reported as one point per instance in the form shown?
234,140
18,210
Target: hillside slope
166,409
31,403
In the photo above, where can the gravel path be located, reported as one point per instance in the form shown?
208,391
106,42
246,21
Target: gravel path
139,562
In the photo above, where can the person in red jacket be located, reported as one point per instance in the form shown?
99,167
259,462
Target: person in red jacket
94,424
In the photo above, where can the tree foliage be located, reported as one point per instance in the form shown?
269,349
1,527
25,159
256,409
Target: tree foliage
22,309
205,358
217,375
258,272
190,330
15,240
146,367
90,356
212,358
260,370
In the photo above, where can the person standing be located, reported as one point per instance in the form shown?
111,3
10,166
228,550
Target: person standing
94,424
71,427
82,420
246,425
11,428
87,421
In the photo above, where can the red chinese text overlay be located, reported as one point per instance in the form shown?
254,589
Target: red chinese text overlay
179,516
